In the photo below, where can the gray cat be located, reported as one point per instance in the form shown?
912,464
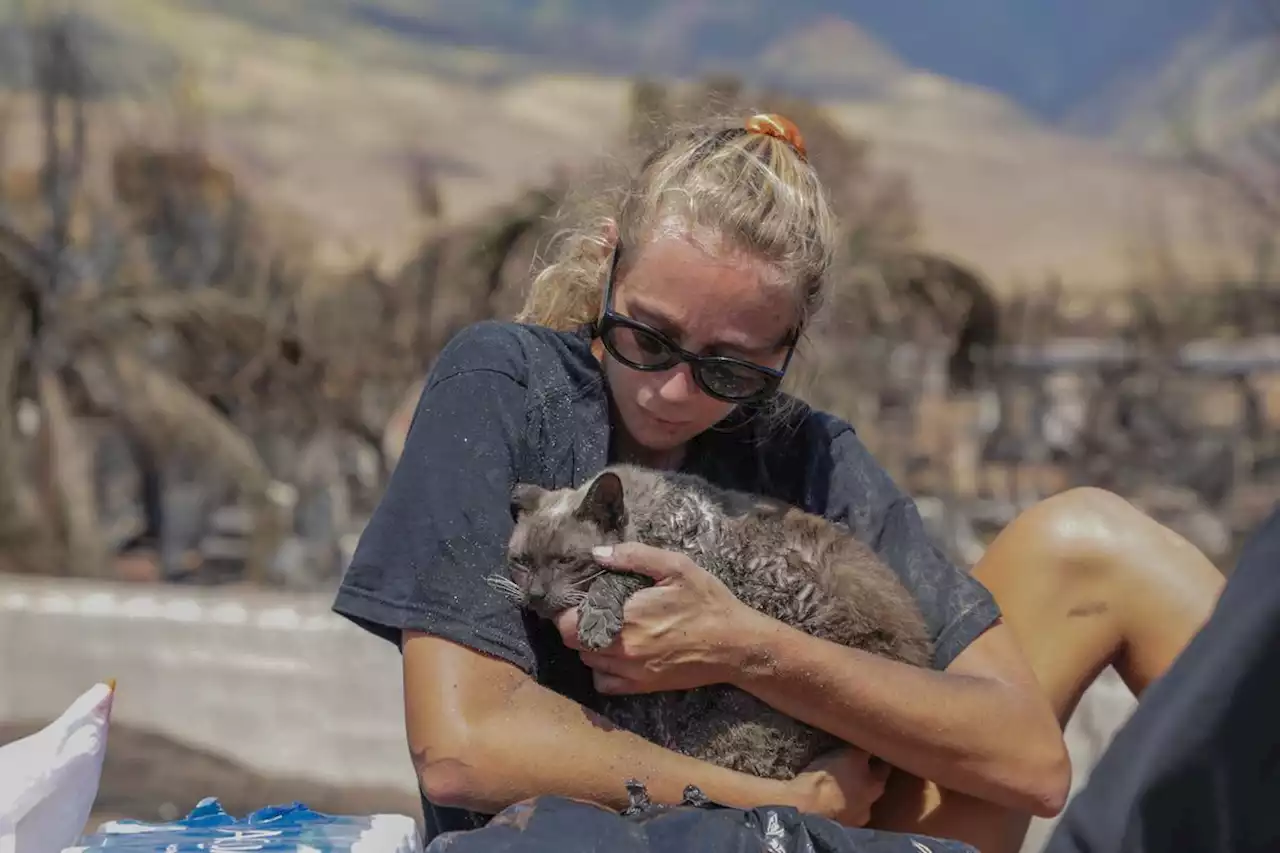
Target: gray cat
797,567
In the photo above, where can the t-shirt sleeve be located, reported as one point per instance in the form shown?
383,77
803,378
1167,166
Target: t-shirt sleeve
443,523
956,606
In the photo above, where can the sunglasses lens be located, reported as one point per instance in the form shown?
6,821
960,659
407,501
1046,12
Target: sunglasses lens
733,381
642,350
638,348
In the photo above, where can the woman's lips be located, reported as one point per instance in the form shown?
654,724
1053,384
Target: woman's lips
664,422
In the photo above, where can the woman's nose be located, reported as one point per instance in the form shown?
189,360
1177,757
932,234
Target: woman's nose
678,385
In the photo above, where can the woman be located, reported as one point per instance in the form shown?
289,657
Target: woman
659,338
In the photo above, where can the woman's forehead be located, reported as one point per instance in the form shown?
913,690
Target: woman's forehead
728,297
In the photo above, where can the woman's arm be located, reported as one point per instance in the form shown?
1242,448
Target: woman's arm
977,723
484,735
981,727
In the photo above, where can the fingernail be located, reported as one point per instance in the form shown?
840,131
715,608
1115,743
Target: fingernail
604,552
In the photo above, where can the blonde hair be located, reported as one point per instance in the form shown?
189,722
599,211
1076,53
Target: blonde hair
749,184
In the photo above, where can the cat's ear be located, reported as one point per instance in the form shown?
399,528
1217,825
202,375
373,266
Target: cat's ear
525,498
604,503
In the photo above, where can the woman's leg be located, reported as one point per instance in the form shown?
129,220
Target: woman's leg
1085,580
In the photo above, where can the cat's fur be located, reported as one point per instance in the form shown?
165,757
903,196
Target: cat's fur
798,568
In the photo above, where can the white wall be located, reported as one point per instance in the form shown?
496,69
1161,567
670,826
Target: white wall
276,682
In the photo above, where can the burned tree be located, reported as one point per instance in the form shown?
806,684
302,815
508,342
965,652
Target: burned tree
91,335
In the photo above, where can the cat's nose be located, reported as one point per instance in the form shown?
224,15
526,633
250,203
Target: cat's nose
537,591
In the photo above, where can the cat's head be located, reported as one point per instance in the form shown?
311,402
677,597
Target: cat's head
549,553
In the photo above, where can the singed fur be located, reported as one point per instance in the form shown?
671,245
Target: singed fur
796,567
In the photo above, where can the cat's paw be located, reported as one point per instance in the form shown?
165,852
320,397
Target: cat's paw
598,628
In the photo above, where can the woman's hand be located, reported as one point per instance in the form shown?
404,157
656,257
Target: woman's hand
676,635
842,786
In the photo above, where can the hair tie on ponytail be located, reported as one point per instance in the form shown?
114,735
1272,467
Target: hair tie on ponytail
779,127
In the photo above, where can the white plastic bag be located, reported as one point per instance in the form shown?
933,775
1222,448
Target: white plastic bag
49,779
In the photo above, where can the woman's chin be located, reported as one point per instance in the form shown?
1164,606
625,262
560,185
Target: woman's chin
658,435
660,438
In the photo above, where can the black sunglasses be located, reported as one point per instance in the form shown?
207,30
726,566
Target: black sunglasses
642,347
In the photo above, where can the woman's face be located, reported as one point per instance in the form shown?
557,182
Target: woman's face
710,304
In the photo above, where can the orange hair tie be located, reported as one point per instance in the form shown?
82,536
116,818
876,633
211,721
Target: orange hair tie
779,127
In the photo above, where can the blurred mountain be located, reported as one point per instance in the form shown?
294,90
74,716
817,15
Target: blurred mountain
1049,58
1102,67
1211,90
1089,65
329,105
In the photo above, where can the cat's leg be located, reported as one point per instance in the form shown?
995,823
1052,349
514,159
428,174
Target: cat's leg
600,616
1085,580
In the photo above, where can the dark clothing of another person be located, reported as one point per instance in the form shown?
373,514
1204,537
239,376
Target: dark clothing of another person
562,825
1197,765
509,403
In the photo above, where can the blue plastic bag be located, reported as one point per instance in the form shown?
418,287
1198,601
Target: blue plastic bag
275,829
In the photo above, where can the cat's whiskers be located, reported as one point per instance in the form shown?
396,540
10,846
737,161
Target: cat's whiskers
506,587
589,578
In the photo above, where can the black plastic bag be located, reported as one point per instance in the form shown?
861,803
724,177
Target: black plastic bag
561,825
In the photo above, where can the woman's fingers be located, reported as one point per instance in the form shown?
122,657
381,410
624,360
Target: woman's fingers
610,685
642,559
566,623
604,662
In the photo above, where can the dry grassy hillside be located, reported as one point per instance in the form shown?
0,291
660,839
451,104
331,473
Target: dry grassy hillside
329,125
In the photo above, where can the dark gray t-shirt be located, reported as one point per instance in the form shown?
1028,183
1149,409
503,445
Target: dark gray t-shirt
509,403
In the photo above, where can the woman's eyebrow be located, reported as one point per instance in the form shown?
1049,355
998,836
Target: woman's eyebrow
660,320
655,317
767,349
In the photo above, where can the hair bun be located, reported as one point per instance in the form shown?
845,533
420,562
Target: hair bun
779,127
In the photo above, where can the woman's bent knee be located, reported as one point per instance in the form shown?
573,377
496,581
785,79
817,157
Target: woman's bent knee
1083,551
1093,529
1085,578
1083,530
